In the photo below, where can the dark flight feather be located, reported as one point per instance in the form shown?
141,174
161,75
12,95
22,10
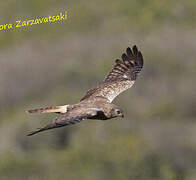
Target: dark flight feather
123,74
128,68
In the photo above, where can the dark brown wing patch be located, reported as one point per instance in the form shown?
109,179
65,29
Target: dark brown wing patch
128,68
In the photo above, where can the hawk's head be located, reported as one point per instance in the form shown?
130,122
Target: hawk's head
117,112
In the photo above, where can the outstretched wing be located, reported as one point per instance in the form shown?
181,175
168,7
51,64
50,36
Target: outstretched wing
128,68
71,117
122,76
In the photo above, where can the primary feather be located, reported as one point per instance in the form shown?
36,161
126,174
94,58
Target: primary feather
121,78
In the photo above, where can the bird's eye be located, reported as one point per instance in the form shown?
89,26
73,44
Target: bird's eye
118,111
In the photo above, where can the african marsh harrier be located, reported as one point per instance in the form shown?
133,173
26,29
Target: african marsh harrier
96,104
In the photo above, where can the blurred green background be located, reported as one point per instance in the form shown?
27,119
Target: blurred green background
54,64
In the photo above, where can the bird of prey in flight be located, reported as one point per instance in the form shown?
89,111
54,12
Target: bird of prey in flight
97,102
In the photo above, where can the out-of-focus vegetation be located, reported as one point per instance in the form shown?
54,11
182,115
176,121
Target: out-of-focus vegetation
53,64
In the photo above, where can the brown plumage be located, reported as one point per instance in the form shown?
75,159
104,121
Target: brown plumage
96,104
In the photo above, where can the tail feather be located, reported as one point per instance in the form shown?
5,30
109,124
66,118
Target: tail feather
47,127
55,109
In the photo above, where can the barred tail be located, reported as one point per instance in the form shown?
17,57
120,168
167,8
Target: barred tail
55,109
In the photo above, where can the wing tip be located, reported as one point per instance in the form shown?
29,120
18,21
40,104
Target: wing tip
34,132
134,46
30,134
